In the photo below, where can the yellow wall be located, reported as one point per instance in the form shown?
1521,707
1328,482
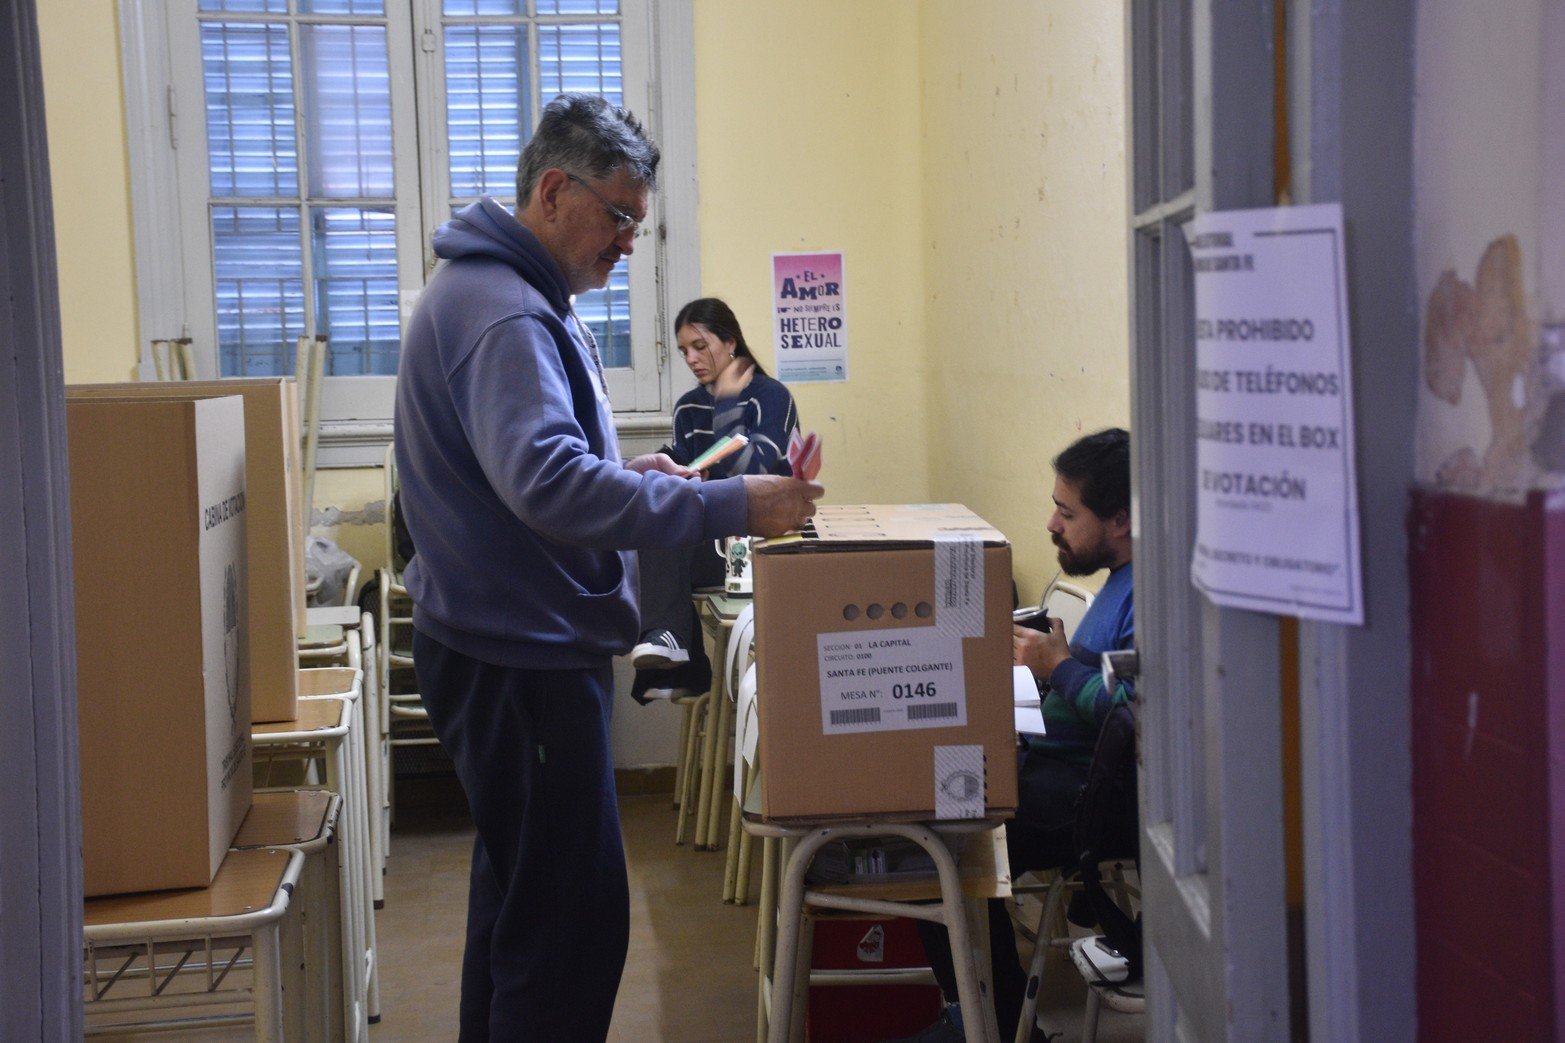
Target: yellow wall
351,511
1024,252
807,123
970,161
88,170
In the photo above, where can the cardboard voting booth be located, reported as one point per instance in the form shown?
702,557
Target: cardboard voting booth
883,640
274,521
158,511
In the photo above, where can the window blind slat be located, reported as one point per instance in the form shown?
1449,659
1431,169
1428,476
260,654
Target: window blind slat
245,6
488,106
372,8
580,58
259,276
348,110
578,7
248,77
469,8
355,254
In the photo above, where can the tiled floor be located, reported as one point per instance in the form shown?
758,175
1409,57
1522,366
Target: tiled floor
688,976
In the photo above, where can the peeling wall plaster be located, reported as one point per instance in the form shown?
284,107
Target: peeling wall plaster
1488,174
372,513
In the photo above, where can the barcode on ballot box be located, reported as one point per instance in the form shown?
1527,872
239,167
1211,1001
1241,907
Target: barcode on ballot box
931,712
860,715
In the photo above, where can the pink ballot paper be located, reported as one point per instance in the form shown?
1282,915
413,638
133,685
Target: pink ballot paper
804,455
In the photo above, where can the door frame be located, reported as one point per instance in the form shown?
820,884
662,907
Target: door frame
1351,137
1349,110
40,864
1213,865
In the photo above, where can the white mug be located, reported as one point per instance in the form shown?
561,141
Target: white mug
735,552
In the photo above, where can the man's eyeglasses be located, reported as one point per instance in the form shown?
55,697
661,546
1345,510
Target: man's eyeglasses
623,222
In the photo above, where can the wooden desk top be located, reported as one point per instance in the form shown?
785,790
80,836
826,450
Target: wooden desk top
314,715
288,817
726,607
345,616
327,680
246,883
322,635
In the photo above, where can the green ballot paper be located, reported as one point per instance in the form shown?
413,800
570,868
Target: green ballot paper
723,448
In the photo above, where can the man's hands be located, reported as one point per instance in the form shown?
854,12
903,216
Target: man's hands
658,462
1040,653
777,504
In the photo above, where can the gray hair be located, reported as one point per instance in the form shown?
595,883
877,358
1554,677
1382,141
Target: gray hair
584,135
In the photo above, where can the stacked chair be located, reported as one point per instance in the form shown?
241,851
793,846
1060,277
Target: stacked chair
324,748
406,720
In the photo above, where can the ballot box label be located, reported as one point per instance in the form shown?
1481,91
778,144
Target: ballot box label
959,584
891,680
959,782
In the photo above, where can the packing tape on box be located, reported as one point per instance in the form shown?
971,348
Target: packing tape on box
959,584
959,782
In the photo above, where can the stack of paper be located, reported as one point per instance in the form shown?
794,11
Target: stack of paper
1029,705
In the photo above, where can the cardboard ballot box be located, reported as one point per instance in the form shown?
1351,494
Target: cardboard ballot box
158,506
883,641
274,520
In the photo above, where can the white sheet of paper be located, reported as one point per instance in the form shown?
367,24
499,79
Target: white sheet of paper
1024,689
1029,720
1277,526
1029,704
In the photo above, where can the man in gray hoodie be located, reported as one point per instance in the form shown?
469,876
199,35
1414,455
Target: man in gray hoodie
524,583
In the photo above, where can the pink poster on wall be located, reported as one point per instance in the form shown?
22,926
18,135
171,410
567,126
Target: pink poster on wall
809,317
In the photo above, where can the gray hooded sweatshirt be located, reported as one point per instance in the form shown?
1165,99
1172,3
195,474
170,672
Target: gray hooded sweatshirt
521,511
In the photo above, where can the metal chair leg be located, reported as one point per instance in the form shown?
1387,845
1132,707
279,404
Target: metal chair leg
683,765
737,846
693,765
746,850
1089,1023
1042,946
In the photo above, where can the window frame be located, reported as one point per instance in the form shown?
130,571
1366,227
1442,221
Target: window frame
166,138
633,388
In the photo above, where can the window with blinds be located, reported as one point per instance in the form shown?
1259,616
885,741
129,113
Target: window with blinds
502,63
314,214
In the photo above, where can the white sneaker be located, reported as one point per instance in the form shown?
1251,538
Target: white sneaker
658,650
666,694
1097,958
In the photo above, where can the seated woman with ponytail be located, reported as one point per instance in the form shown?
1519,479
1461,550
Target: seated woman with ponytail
733,396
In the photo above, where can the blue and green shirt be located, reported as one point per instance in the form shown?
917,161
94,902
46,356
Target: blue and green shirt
1075,701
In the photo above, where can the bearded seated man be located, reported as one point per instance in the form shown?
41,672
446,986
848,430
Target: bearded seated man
1090,527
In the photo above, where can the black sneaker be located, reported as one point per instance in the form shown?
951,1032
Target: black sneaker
690,678
658,650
